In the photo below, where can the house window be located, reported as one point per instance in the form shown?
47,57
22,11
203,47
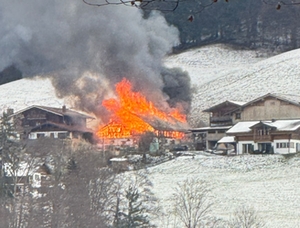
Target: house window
32,136
40,135
263,131
238,116
285,145
247,148
63,135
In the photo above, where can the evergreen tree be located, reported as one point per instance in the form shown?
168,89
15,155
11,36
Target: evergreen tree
136,205
135,216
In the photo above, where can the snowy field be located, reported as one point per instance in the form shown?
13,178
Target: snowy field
213,61
26,92
220,73
268,183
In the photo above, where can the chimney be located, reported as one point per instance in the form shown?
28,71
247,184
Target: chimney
64,108
10,111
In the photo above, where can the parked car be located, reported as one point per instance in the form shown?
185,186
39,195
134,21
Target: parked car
179,148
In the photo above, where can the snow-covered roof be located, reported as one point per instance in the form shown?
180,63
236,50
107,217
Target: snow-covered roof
56,111
210,128
227,139
280,125
241,127
240,103
225,103
286,125
284,97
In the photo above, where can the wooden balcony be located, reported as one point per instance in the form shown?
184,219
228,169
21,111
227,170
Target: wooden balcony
262,138
220,120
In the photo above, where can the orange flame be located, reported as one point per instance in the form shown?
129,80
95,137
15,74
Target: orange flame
128,113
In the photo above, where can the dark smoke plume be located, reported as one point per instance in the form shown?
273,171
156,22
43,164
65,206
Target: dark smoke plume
86,50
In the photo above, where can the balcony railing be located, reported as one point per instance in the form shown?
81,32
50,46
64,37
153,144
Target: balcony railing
262,138
220,118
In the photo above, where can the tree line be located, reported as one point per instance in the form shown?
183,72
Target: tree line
249,23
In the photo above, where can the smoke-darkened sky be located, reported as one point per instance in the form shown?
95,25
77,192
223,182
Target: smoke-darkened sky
86,50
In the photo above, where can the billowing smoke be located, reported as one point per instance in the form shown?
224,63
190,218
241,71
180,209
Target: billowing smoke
86,50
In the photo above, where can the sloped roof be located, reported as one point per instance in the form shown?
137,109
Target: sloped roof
163,125
227,139
224,103
201,129
239,103
57,111
292,99
265,123
280,125
242,127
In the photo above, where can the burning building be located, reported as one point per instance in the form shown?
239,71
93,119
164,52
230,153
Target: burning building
132,115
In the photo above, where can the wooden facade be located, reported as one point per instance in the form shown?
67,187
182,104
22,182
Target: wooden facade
277,136
270,107
222,114
41,121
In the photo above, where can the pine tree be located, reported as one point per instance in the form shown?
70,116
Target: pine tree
134,217
136,204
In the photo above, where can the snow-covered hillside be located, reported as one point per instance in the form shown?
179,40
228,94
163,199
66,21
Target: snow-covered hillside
26,92
213,61
220,74
270,184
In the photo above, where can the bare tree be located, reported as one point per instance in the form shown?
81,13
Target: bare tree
93,186
246,217
279,4
192,204
161,5
83,192
15,170
172,5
